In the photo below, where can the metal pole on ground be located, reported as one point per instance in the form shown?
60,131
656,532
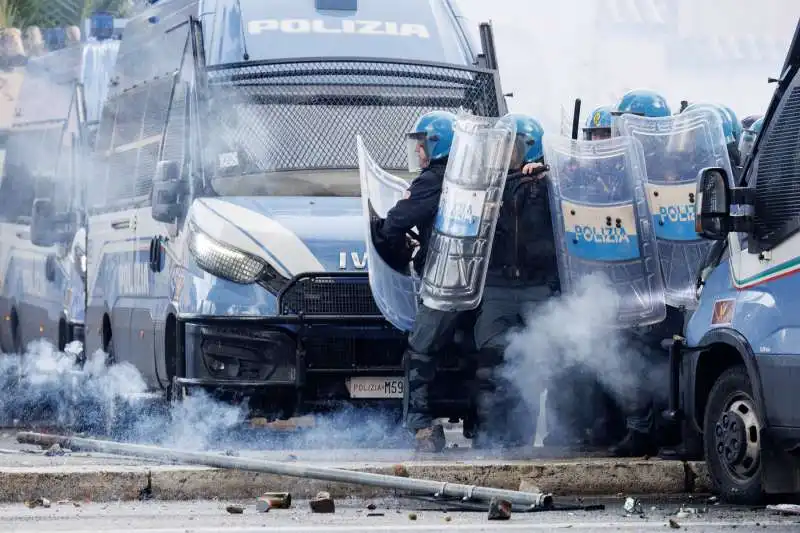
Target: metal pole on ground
417,486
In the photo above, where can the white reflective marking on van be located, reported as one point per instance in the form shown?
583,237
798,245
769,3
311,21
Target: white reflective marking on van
359,27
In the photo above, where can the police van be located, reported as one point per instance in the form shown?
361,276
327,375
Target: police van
226,243
736,374
42,293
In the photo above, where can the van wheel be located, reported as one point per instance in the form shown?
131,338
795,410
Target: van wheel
176,392
110,357
732,438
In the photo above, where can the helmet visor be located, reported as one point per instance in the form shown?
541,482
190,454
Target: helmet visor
417,151
522,145
597,134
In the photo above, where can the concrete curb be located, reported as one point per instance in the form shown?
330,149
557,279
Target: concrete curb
581,478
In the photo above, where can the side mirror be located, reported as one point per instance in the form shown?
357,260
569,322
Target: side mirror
166,192
43,223
712,215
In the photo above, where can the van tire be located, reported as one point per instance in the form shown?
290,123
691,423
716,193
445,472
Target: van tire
16,334
732,439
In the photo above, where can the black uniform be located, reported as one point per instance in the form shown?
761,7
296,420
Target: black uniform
523,272
433,329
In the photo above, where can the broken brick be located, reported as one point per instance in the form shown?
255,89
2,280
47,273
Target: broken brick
322,503
499,509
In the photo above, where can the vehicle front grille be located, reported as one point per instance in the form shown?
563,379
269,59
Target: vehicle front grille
328,295
353,353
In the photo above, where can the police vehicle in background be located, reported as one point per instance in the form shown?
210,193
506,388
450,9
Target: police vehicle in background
225,241
735,375
42,294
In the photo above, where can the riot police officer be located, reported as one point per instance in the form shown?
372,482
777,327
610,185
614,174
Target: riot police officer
730,127
598,124
523,272
429,148
651,389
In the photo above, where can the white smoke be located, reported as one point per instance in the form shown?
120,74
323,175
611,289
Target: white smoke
572,336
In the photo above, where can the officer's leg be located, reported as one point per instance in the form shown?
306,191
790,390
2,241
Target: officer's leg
433,330
641,420
503,415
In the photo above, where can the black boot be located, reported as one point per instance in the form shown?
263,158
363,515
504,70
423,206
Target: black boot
634,444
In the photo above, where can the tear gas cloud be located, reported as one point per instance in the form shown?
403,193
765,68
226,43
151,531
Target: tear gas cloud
551,52
48,387
573,336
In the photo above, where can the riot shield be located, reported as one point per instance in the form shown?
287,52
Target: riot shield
394,291
602,223
461,240
676,149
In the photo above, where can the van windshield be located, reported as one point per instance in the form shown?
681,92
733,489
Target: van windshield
292,126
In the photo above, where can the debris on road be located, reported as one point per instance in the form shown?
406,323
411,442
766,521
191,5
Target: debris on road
371,507
376,514
56,451
322,503
398,482
235,509
276,500
400,471
499,509
785,508
38,502
673,524
412,516
633,506
262,505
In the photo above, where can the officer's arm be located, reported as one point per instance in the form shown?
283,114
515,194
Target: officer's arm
419,207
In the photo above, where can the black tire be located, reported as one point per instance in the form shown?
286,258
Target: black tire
16,334
110,357
175,393
732,440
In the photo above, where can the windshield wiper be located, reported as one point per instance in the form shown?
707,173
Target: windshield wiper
246,56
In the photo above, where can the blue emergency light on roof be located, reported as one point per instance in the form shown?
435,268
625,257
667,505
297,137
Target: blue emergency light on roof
102,25
337,5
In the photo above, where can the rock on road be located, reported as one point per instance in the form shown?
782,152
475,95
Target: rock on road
352,516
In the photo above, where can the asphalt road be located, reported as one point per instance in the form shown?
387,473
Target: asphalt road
353,516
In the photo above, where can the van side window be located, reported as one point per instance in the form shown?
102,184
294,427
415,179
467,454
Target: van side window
29,160
777,169
100,155
155,117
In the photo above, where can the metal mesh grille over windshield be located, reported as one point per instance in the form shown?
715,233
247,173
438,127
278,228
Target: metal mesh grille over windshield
778,174
306,115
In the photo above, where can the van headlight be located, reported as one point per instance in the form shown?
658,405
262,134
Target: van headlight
223,261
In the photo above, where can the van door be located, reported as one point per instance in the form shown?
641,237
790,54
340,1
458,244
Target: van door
153,299
112,227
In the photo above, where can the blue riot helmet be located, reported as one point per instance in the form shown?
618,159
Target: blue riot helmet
748,121
736,126
598,125
727,125
430,140
749,137
528,142
643,102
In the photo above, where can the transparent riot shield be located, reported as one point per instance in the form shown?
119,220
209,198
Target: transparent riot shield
461,240
602,223
395,291
676,149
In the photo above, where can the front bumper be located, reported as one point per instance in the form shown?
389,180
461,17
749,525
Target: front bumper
309,357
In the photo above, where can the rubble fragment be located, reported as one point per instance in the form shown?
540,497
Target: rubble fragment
785,508
262,505
376,514
448,518
633,506
322,503
235,509
499,509
371,507
400,471
673,524
412,516
56,451
38,502
277,500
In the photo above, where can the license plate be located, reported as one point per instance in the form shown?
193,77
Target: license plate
375,387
